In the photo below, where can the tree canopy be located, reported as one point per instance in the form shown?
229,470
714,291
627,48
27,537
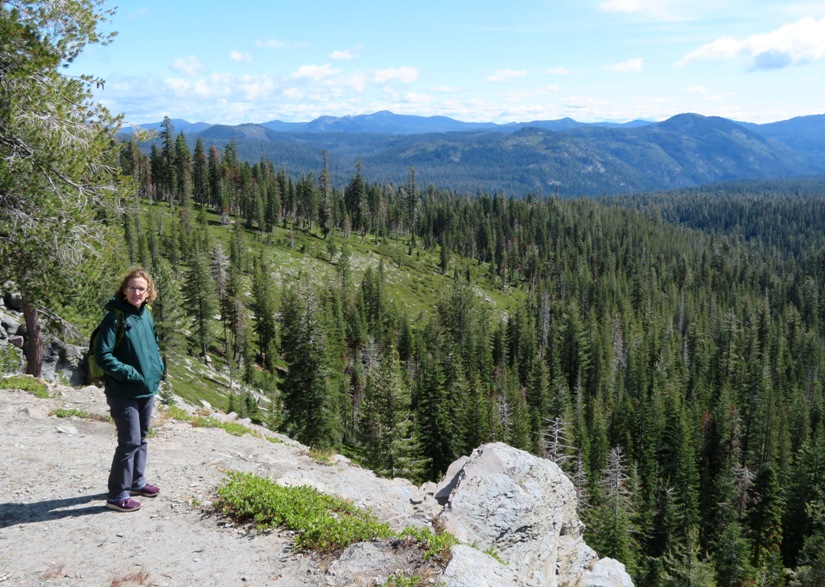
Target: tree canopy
57,152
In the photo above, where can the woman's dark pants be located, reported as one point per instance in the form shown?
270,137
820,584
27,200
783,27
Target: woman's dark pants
132,418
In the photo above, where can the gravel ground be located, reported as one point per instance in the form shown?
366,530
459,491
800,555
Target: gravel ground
55,530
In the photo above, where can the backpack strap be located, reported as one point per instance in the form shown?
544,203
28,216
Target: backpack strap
121,325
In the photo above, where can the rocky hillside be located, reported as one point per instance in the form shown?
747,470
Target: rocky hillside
55,530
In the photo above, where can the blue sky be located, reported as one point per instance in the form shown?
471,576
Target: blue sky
472,60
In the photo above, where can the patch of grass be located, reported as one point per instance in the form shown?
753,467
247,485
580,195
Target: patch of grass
71,412
322,523
36,387
177,413
437,546
322,456
494,553
402,580
231,427
193,381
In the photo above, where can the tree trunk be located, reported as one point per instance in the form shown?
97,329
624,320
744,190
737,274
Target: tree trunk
34,340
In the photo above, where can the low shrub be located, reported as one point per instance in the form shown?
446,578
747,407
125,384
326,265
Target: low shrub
322,523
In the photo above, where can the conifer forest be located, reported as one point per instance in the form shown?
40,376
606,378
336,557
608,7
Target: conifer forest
665,350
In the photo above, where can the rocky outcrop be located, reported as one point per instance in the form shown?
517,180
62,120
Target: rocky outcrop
522,509
61,361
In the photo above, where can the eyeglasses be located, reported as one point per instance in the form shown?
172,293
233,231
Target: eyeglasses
139,290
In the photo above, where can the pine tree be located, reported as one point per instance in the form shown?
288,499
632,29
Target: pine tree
307,401
326,218
201,302
683,565
264,309
200,175
432,417
183,175
171,320
765,525
412,196
614,530
168,180
220,268
355,199
390,446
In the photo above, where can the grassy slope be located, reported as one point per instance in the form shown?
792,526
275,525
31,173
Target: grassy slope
413,283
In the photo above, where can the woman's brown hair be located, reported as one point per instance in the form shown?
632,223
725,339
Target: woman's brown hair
151,292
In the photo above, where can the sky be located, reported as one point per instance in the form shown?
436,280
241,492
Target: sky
472,60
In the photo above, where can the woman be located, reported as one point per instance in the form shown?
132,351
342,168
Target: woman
128,353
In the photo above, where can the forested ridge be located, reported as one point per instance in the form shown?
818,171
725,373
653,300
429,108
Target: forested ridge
561,158
666,349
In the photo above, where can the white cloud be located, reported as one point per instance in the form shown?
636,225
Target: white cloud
446,89
700,89
255,88
657,9
389,92
341,55
504,75
526,95
240,57
187,65
558,71
208,87
793,44
293,93
357,81
403,74
278,44
629,66
316,72
418,99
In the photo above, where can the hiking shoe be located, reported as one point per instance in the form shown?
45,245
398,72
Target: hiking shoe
124,505
147,490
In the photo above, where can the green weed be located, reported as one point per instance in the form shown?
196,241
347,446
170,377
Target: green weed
9,359
436,545
36,387
322,456
72,412
230,427
402,580
494,553
322,523
177,413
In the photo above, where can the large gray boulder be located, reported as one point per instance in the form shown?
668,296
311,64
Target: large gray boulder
523,509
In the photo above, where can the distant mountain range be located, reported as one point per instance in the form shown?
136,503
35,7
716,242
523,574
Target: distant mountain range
560,157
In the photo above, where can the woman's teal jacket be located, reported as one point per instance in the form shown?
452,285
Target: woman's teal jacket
133,364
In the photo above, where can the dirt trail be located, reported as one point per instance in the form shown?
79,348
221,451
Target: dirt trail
55,530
